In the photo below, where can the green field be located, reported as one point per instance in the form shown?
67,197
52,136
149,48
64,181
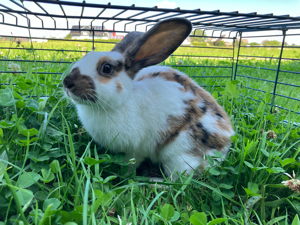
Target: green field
51,172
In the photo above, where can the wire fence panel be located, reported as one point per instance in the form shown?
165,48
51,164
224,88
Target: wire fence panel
274,72
45,42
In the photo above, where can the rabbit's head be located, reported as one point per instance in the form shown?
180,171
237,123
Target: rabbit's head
107,76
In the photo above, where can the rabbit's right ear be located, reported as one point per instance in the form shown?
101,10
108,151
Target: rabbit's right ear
156,45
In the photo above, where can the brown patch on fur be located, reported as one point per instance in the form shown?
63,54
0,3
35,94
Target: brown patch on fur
207,141
119,86
195,109
224,124
104,80
187,122
80,85
142,78
117,66
188,85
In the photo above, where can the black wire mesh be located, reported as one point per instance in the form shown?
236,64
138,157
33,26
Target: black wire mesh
109,18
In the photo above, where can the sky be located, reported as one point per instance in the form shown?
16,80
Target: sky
277,7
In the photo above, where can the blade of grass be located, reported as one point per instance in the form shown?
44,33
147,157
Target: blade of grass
72,149
85,203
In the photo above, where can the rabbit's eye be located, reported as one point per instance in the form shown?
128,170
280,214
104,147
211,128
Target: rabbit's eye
106,68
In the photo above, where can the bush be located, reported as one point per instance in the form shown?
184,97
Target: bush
68,36
254,44
196,43
220,43
271,43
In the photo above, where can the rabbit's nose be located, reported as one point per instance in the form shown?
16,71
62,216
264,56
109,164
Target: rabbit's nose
68,83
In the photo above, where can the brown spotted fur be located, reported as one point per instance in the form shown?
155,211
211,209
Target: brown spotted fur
190,121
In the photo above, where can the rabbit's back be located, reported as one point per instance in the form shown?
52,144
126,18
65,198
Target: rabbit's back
203,123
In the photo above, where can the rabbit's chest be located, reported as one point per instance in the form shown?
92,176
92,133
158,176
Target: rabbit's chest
123,132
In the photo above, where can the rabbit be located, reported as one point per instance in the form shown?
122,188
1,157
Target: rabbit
130,104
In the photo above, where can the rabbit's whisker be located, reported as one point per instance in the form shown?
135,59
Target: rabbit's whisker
108,116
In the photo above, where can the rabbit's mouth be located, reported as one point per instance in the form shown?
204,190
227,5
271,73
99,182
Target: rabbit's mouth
82,98
79,87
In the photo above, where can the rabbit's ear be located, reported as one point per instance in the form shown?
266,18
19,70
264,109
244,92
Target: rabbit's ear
157,44
127,41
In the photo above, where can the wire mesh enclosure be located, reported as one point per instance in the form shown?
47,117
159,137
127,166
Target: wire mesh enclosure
52,169
24,27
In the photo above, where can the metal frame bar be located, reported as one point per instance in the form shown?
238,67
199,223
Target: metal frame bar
217,12
233,44
238,54
278,69
198,17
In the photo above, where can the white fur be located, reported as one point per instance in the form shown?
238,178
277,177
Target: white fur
209,122
177,157
201,104
137,116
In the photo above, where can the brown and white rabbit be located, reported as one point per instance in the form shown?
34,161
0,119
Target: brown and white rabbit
148,111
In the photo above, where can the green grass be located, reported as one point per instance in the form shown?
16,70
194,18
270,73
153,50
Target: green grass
51,172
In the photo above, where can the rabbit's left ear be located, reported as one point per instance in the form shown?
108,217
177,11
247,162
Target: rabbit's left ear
157,44
127,41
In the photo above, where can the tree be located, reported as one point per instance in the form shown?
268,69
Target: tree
254,44
68,36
